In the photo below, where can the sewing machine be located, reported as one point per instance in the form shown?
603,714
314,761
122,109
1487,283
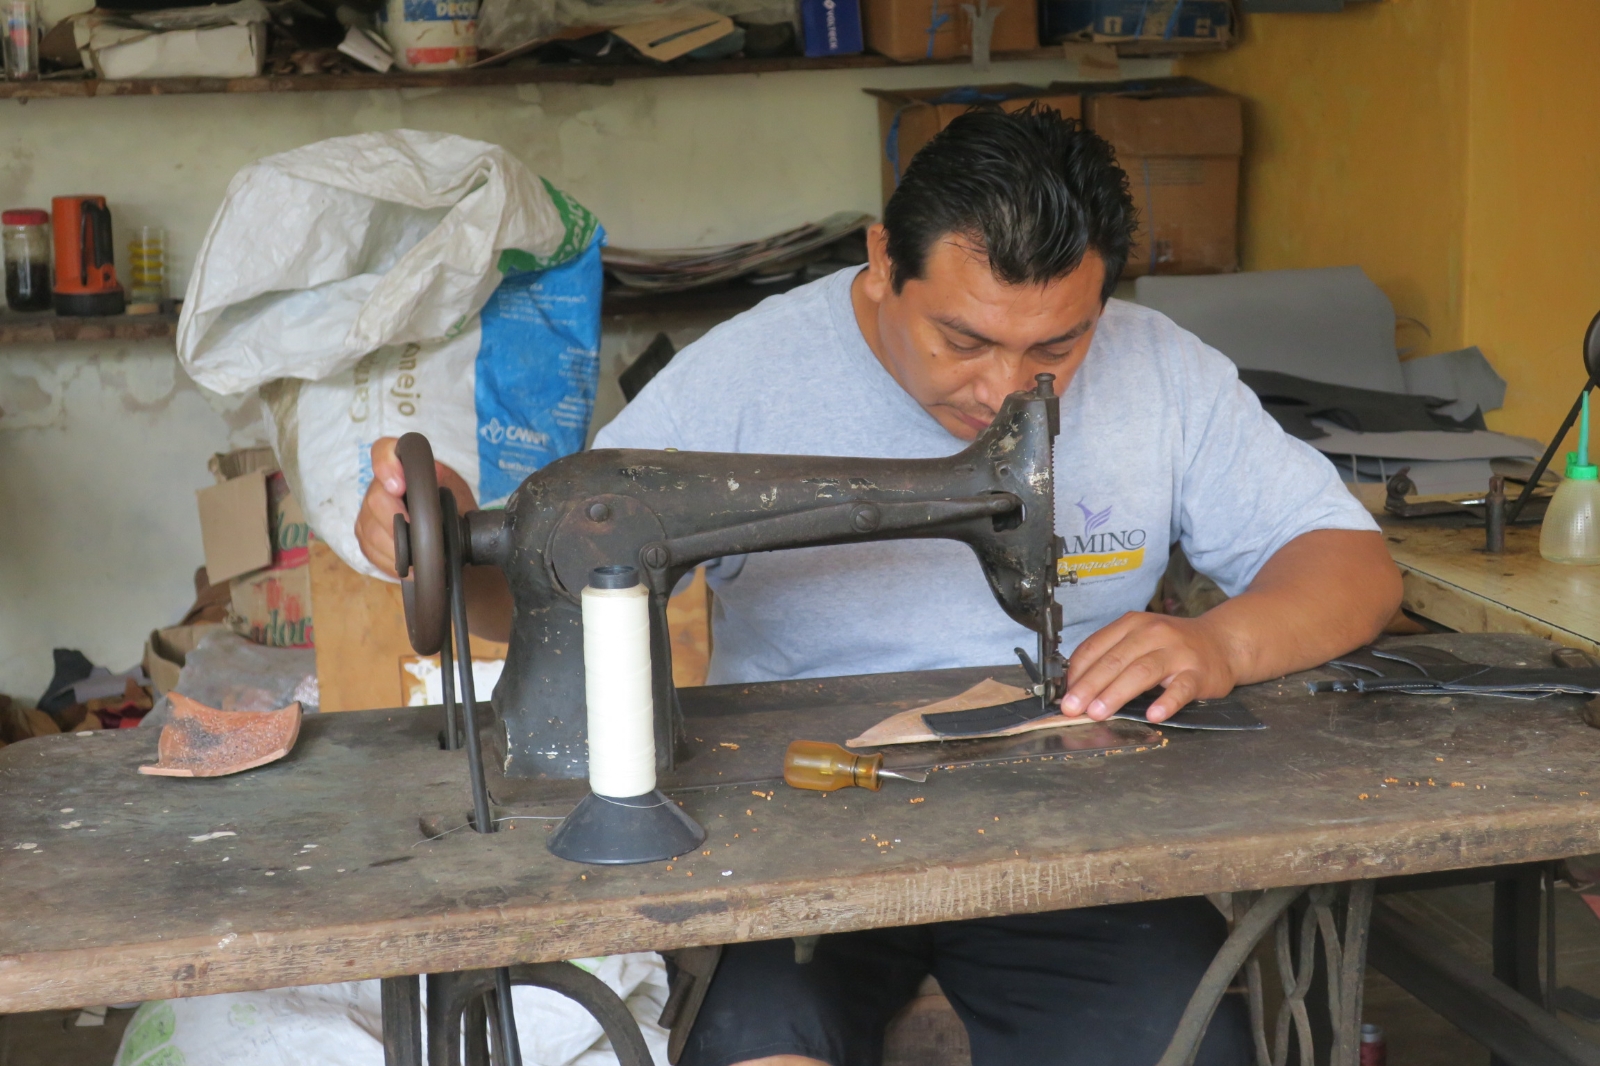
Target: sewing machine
665,512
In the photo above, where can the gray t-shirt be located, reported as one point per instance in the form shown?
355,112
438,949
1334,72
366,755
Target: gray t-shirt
1160,444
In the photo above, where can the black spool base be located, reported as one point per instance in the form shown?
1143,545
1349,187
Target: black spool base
610,831
83,304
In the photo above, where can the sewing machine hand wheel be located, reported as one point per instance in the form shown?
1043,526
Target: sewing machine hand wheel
419,556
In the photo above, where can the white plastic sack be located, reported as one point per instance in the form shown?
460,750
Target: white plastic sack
387,282
342,1025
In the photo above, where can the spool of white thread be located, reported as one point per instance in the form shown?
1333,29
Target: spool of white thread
618,684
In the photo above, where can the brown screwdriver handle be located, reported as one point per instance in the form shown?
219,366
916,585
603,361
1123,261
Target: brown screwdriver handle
824,767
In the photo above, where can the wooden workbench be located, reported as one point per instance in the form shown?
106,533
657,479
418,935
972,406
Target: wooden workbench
1451,580
318,869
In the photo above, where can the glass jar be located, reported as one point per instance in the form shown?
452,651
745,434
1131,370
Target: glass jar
20,21
25,235
147,265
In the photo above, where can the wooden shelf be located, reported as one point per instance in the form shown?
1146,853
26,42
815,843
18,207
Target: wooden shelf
47,327
716,299
50,328
514,74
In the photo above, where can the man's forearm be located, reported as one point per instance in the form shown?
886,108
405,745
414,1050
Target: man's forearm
1322,594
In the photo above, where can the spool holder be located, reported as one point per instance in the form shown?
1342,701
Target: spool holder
622,830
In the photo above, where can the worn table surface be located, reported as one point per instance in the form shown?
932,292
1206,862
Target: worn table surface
1450,579
122,887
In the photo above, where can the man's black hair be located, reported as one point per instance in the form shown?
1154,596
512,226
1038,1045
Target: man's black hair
1033,190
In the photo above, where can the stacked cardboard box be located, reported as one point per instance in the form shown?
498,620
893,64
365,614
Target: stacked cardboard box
257,538
1181,154
909,118
1180,142
942,29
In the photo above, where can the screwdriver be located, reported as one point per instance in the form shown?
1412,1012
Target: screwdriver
824,767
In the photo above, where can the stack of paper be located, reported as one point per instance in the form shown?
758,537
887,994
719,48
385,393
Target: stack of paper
676,269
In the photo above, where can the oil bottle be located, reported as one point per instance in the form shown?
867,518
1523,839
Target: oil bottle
1571,530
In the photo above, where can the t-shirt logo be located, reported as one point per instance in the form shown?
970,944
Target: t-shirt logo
1099,551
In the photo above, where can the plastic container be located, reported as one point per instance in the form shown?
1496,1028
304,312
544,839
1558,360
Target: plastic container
1571,530
25,235
431,34
147,270
1374,1049
20,21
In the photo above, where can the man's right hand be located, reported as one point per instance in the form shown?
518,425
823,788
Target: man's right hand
386,498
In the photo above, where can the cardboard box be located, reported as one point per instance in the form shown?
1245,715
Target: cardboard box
908,119
1154,25
123,52
1182,158
831,27
166,651
273,607
942,29
257,538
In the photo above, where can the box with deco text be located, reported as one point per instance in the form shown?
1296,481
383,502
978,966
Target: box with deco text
1181,154
258,540
909,118
831,27
942,29
273,606
1142,26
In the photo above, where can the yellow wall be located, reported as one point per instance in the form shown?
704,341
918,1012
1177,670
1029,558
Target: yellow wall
1451,148
1355,149
1533,212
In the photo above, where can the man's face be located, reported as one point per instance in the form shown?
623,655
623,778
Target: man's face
960,341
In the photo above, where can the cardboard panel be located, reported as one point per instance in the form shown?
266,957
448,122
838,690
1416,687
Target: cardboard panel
233,526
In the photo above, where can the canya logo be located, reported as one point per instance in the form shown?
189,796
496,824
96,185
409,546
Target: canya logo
495,433
1099,551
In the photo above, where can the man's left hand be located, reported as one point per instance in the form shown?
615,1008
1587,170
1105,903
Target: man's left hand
1186,657
1320,595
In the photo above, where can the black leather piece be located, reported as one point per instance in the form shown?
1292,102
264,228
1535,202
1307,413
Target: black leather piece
1223,714
1420,669
1226,714
1295,401
982,721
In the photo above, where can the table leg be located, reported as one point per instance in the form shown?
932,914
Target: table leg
401,999
456,1008
1345,953
1515,937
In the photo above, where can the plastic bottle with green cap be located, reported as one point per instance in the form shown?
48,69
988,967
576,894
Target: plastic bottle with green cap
1571,530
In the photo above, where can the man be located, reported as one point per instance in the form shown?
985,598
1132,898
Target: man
995,261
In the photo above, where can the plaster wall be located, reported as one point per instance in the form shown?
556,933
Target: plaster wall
101,446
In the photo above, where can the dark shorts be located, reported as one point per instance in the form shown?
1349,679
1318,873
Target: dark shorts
1101,986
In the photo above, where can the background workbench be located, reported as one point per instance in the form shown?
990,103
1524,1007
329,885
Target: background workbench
1451,580
318,869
